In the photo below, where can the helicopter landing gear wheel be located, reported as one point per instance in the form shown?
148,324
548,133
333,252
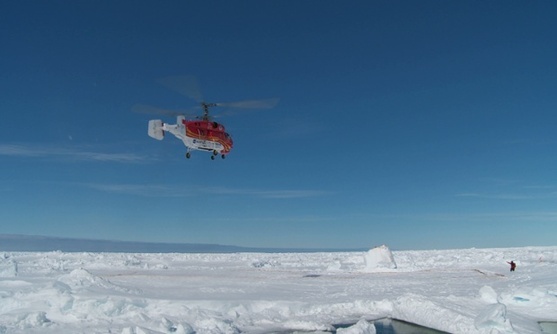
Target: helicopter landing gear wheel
223,156
188,155
212,157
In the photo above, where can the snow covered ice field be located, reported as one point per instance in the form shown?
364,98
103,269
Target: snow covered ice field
457,291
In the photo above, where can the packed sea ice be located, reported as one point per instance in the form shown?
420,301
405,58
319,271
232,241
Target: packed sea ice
457,291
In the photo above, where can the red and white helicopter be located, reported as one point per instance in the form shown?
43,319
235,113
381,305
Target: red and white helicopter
202,132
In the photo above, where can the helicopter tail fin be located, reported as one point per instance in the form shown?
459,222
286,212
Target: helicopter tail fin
155,129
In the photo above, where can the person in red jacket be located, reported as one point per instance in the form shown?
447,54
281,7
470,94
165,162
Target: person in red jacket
513,265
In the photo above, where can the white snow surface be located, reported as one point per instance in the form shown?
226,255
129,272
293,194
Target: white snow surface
457,291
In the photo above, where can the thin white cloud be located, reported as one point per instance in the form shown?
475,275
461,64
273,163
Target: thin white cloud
285,194
281,218
540,187
157,190
541,193
511,189
477,217
109,157
291,193
517,216
152,190
27,151
498,196
20,151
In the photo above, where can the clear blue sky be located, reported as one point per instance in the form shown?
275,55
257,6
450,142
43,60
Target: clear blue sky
417,124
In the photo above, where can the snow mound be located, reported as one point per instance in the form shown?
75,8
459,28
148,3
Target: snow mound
493,319
136,330
33,320
213,325
421,310
361,327
182,328
141,330
81,278
379,258
488,295
8,268
300,325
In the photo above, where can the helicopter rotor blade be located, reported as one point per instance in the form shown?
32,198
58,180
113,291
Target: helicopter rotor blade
250,104
186,85
151,110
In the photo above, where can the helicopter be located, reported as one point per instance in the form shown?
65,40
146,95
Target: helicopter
201,133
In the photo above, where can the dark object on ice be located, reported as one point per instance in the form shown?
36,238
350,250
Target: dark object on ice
513,265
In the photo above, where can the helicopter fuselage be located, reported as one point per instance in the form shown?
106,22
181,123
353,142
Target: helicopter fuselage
203,135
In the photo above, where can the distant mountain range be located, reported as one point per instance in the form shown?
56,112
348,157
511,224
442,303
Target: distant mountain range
30,243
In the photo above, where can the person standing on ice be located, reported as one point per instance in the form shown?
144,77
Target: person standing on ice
513,265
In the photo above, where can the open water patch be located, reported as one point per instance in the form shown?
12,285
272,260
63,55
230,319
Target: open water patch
382,326
548,327
394,326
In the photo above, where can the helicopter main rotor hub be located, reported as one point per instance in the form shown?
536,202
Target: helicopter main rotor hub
206,107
